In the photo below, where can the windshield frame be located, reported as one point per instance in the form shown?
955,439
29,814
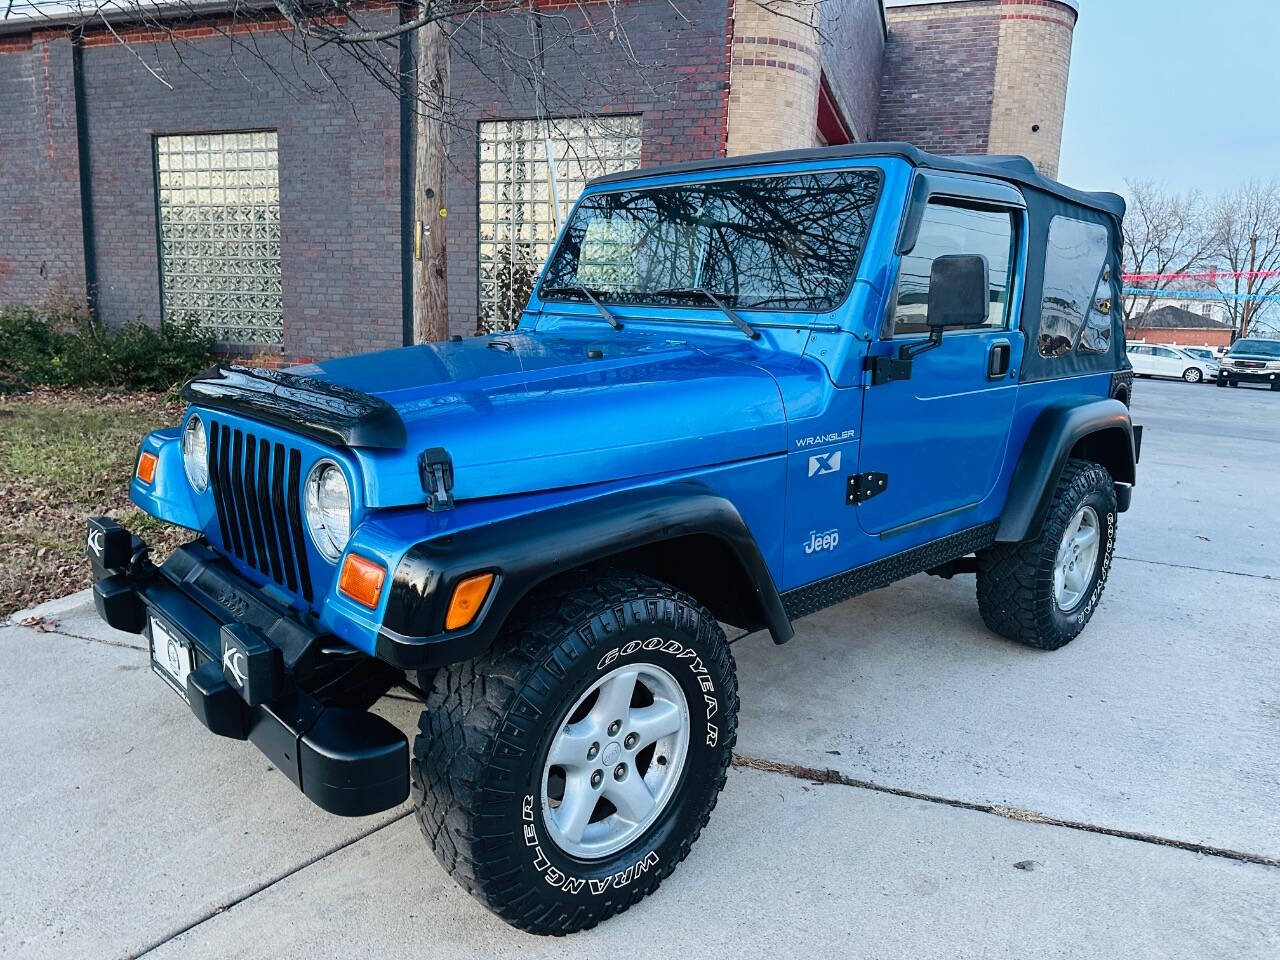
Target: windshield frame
1273,354
694,180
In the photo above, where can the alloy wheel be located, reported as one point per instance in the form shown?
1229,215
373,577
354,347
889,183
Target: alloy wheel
615,761
1077,556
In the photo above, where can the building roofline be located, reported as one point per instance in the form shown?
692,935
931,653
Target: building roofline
1073,4
33,15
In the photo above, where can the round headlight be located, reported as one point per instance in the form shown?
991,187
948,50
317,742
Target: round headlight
328,508
195,454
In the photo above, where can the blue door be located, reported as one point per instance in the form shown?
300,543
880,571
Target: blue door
940,435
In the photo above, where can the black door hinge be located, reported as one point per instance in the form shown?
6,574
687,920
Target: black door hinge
888,369
435,469
861,487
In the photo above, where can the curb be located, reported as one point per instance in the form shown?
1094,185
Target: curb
53,608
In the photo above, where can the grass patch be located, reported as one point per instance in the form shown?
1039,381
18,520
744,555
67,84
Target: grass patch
66,455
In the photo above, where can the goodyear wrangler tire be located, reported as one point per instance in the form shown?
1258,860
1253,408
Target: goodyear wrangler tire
601,696
1042,592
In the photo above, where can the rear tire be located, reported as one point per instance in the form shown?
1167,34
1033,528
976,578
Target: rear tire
497,807
1192,375
1021,591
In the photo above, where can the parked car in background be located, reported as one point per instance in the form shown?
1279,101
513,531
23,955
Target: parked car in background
1203,353
1160,360
1251,360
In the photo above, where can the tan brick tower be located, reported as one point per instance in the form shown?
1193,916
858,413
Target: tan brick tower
978,76
1030,93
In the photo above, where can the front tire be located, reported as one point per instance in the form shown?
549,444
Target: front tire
1192,375
1042,592
550,812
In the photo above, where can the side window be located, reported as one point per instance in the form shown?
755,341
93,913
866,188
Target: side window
945,229
1077,281
1166,353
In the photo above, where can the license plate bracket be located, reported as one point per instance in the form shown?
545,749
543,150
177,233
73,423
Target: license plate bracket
172,655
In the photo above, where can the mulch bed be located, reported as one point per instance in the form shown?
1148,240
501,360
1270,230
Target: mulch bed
65,455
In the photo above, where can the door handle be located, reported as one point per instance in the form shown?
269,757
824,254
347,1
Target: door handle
998,359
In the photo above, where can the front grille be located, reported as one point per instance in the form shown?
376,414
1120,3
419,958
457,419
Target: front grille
256,486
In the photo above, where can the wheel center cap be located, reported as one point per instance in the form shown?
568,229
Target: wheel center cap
611,753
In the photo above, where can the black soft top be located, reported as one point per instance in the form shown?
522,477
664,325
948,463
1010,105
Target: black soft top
1013,169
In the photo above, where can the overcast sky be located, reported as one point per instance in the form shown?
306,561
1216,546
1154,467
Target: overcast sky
1180,91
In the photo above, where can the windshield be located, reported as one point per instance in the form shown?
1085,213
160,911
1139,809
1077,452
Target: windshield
1259,348
785,242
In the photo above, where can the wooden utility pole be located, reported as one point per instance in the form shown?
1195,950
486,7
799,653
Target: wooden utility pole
430,277
1247,311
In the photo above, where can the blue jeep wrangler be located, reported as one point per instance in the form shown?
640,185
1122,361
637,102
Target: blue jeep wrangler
743,390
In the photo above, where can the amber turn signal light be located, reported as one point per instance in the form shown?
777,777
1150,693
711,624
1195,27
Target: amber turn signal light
468,598
361,580
147,466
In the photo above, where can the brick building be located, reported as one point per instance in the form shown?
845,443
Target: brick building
274,201
1173,324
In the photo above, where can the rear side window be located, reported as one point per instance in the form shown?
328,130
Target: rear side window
947,229
1077,286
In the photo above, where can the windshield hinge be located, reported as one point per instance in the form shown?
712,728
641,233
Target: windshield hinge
435,469
861,487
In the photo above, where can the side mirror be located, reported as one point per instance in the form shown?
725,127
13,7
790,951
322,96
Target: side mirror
959,293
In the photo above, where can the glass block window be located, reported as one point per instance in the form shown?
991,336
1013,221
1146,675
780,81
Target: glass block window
219,213
516,223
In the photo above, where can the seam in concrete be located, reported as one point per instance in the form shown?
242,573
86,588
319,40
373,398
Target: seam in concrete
1190,566
105,641
815,775
266,884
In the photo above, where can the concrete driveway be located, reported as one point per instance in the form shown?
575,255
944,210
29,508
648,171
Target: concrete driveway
908,785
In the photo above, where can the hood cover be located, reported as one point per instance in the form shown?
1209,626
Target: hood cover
524,412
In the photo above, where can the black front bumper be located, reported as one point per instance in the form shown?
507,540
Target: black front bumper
1247,376
347,760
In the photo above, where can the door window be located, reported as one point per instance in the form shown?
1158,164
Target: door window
947,228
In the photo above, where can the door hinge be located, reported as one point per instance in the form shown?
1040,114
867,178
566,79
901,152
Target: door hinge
861,487
888,369
435,469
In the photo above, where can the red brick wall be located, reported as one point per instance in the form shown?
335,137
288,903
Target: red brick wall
41,237
1182,336
680,95
939,76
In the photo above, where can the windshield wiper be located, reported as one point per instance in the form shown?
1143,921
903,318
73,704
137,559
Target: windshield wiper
604,311
688,293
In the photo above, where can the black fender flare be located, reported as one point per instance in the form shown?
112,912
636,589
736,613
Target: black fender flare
1101,430
526,550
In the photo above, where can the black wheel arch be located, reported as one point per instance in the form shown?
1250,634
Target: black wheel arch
681,533
1083,428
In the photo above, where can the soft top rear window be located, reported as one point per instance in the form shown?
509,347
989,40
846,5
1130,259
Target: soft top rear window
788,242
1075,269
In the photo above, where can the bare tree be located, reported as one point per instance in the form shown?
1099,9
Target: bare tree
1245,232
506,42
1164,233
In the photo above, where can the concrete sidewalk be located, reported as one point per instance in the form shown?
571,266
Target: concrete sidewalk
127,829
